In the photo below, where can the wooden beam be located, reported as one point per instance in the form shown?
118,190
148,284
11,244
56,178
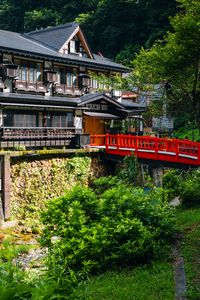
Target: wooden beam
6,184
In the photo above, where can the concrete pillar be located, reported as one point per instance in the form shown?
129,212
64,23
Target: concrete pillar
6,183
157,176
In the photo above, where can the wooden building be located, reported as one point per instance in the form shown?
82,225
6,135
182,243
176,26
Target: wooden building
47,95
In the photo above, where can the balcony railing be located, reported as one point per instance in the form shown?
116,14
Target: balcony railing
62,89
34,133
38,87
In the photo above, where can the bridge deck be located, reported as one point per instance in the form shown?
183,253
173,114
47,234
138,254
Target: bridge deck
162,149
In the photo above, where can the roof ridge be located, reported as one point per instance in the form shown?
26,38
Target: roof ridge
66,25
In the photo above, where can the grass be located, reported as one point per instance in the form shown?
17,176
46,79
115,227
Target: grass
142,283
189,222
148,282
154,281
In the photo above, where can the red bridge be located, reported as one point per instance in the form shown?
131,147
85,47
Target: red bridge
151,148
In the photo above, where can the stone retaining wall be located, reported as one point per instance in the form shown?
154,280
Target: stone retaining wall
37,179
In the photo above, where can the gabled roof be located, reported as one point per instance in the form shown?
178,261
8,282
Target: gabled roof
46,43
88,98
53,37
13,40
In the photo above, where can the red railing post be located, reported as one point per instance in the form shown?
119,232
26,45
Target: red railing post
198,153
118,142
107,141
177,150
156,147
136,145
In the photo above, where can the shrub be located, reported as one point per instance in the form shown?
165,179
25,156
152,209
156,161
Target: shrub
171,183
190,189
102,184
121,226
130,170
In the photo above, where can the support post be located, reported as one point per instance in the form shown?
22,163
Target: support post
6,183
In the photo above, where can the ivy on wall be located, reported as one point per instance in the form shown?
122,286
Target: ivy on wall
33,181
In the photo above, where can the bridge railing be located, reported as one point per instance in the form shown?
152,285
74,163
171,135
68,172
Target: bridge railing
141,143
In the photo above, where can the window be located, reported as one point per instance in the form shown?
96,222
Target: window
24,120
74,77
94,83
24,71
66,76
63,76
77,46
39,72
29,71
72,47
70,120
62,120
57,70
69,78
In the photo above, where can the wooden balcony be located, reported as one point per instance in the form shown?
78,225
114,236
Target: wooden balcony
62,89
36,136
16,133
26,86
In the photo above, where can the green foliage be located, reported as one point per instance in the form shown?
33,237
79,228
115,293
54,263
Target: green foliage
175,60
12,283
148,282
190,190
121,226
111,26
19,148
127,55
9,251
16,285
188,221
171,183
40,18
130,169
102,184
35,181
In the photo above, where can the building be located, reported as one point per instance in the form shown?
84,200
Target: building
47,95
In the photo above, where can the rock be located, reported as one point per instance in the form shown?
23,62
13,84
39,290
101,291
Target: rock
55,239
175,202
8,224
33,259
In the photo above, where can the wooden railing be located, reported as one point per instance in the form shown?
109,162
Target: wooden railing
62,89
38,87
31,133
165,149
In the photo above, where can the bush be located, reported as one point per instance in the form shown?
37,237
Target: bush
190,189
171,183
120,227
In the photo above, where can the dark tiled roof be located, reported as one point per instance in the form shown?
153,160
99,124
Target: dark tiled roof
131,105
46,42
53,37
13,40
39,99
98,60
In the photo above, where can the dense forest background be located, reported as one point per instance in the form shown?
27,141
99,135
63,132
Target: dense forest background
115,28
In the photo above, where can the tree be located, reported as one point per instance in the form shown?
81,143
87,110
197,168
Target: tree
175,60
12,15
